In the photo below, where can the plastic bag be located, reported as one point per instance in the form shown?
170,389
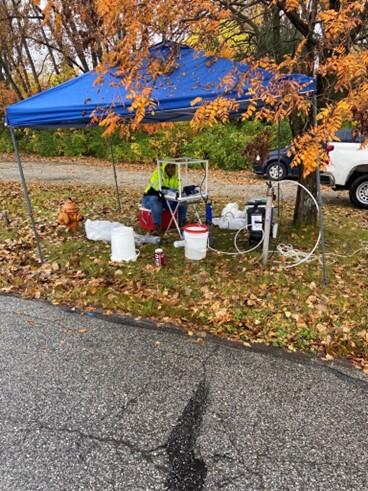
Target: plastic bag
231,217
146,239
100,229
232,209
230,223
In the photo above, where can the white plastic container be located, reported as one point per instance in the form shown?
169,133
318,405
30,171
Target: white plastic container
179,243
196,240
122,244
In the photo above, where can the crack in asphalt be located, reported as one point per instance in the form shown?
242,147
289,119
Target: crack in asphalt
228,481
180,355
346,377
261,457
251,471
145,454
132,400
187,471
310,463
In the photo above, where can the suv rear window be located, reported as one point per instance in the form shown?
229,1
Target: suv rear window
347,137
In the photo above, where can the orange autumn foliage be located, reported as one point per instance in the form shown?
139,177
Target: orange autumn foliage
7,97
329,48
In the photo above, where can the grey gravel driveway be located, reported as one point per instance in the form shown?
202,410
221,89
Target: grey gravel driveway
64,173
93,404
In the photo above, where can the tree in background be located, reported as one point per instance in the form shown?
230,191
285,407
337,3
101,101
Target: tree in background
39,45
7,96
75,32
16,60
325,38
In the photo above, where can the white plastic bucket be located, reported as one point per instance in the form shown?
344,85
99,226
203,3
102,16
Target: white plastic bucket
196,239
122,244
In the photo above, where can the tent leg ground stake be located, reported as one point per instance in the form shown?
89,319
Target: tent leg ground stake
115,176
267,229
319,201
26,195
322,228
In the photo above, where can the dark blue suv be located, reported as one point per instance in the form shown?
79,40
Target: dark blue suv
273,169
276,171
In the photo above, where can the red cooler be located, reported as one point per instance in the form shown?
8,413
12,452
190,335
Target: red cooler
146,221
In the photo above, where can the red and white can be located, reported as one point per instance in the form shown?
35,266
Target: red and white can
160,258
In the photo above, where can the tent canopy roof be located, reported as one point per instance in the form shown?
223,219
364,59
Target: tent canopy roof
70,104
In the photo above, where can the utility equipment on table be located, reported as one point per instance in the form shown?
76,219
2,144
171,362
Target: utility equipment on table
188,193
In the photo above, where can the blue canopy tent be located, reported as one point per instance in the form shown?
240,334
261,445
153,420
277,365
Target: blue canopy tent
71,104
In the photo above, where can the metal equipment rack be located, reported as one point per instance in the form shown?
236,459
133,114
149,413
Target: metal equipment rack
183,164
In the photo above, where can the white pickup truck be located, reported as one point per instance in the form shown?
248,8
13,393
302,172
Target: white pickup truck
348,169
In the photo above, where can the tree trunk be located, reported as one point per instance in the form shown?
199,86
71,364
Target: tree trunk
305,212
74,38
9,78
94,57
38,12
25,45
276,34
53,59
17,64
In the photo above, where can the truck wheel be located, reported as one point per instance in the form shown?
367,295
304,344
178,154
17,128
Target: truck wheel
276,171
359,192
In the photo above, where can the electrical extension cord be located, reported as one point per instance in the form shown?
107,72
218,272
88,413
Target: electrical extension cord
299,257
236,245
364,248
296,255
288,251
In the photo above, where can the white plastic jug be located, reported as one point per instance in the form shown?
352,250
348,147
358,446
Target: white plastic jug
196,239
122,244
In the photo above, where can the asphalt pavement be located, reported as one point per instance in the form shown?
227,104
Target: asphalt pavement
89,403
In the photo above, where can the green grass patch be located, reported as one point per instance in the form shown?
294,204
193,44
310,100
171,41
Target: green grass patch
229,296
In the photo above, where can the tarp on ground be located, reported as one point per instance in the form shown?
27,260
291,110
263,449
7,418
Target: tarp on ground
71,104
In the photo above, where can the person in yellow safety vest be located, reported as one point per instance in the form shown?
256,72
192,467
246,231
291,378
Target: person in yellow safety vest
153,198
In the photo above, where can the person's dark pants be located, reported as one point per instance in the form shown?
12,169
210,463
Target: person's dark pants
157,205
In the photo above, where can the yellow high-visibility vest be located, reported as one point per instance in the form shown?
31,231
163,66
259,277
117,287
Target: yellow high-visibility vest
166,181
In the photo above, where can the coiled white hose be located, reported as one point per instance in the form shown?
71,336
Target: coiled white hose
236,244
284,250
288,251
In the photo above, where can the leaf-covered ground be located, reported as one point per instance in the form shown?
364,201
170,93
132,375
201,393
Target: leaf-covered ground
228,296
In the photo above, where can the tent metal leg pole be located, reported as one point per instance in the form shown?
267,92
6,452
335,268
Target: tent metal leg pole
26,195
267,228
320,204
115,176
322,228
278,165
